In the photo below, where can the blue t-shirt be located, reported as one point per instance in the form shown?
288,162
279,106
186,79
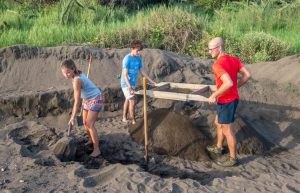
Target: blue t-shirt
133,65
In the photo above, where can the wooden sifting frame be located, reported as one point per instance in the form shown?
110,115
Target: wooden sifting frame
163,90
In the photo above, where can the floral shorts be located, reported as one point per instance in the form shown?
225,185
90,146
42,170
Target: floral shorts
95,104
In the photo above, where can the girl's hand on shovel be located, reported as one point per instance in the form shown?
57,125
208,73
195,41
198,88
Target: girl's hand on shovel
72,121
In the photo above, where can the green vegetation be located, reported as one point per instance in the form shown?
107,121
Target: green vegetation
171,29
255,31
259,46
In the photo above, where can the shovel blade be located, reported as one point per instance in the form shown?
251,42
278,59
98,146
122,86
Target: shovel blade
79,120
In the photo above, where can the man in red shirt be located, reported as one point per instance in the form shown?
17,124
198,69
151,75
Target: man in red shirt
226,70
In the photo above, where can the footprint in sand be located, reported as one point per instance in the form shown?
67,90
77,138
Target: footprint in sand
102,179
112,123
291,187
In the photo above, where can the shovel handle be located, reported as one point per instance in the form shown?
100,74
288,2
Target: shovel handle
87,75
89,67
145,119
69,129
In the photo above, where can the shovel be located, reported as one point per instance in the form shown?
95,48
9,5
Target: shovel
65,148
79,118
144,162
145,121
69,129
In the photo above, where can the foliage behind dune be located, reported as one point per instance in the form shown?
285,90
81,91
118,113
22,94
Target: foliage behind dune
180,26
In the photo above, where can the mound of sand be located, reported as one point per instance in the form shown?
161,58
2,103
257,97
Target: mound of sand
26,68
175,134
32,84
284,71
172,134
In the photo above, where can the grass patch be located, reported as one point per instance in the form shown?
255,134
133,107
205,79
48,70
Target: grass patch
181,28
259,46
276,21
171,29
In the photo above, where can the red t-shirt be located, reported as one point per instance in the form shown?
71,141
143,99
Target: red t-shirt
230,65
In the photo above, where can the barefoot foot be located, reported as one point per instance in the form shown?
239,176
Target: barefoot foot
133,122
95,154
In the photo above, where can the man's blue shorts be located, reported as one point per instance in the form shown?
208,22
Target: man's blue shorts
226,112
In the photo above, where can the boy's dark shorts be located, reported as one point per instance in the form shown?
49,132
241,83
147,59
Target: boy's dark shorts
226,112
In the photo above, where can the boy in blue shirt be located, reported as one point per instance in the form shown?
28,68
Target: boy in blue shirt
131,66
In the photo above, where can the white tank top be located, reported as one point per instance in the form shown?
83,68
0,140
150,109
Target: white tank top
89,90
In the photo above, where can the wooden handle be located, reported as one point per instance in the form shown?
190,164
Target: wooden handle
87,75
90,62
69,129
145,120
90,59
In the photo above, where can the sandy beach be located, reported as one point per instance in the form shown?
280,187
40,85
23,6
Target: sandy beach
36,101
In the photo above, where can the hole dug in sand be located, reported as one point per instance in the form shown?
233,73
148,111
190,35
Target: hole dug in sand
45,145
33,140
50,146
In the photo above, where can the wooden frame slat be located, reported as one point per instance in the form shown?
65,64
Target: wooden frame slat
202,90
162,87
197,89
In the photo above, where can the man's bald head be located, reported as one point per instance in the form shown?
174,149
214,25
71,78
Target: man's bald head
216,42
